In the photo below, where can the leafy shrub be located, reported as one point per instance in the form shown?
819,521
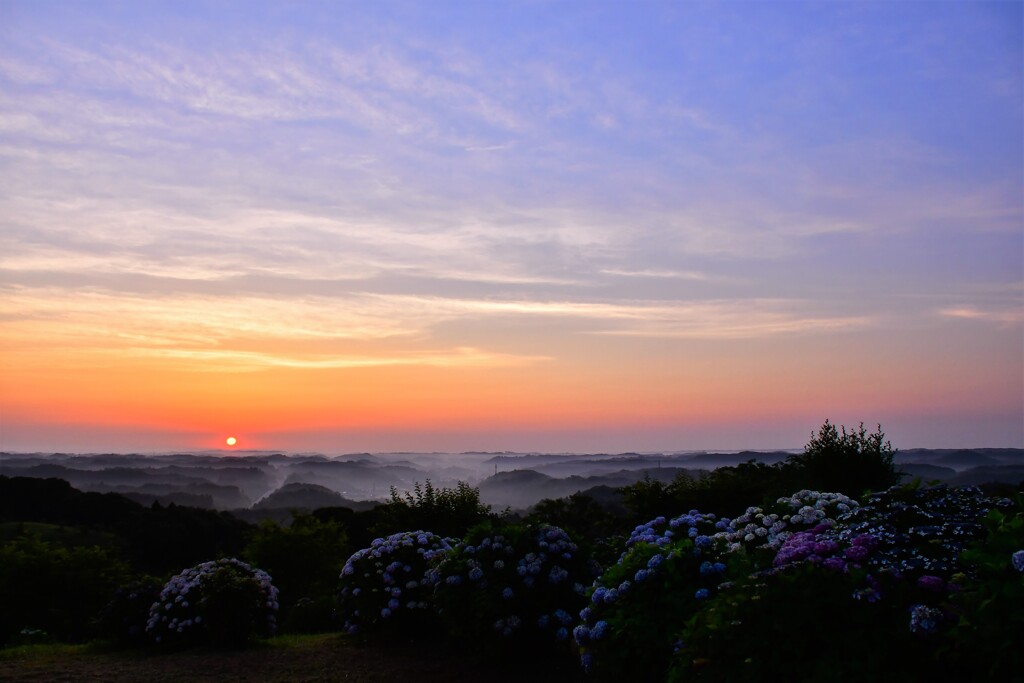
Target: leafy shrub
449,512
388,585
304,558
515,588
799,623
637,605
671,569
56,590
124,618
224,603
848,461
990,611
885,577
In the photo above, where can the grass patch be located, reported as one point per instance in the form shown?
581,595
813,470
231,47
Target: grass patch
45,652
303,640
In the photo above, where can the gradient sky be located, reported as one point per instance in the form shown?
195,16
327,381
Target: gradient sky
553,226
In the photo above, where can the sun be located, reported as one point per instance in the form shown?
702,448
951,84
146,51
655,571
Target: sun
231,441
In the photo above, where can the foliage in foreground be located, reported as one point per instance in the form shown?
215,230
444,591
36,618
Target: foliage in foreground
389,585
508,589
892,581
51,591
224,603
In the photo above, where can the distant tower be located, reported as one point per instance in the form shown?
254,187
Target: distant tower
495,469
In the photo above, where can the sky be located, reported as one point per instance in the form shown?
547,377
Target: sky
527,226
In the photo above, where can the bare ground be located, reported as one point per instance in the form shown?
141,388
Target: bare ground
313,659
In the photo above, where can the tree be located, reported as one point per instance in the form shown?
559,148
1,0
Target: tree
444,511
305,558
849,462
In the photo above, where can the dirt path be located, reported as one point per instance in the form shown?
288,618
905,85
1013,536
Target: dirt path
318,659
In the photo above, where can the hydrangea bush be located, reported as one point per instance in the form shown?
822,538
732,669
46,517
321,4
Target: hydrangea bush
801,623
669,568
891,568
222,602
512,588
125,617
390,584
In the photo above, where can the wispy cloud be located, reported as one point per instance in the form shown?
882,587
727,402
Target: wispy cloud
652,273
1013,314
698,320
248,361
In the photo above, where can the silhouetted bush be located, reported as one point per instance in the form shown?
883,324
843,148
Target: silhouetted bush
123,619
54,589
305,560
851,462
447,512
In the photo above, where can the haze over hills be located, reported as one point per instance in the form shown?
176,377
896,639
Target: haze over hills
273,480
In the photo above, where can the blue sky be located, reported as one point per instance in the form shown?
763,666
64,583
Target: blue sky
621,192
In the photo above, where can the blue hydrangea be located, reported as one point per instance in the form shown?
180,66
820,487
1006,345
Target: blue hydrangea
924,619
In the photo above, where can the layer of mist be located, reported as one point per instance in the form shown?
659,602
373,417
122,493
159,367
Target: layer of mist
255,481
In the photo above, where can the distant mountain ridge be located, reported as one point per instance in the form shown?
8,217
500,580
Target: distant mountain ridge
234,482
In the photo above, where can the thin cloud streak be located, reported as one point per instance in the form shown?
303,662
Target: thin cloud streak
1013,316
247,361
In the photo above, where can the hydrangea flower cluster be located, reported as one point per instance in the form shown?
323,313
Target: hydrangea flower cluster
391,578
818,547
908,539
925,620
919,531
1017,559
524,582
638,604
758,528
905,544
184,610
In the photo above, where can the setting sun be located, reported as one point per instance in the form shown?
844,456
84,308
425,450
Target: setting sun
231,441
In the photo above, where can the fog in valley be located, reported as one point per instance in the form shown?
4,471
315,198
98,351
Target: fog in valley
256,484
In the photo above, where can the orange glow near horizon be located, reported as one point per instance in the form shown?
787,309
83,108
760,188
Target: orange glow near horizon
723,384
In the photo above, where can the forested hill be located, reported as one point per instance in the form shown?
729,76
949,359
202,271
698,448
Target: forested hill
155,539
